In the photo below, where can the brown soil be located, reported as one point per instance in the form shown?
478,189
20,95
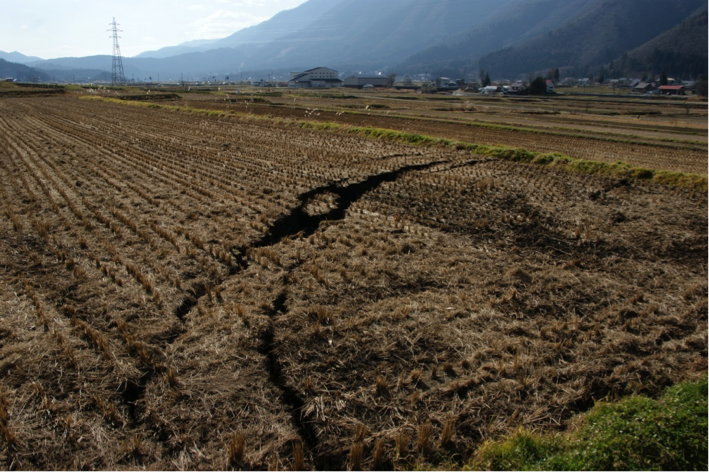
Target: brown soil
182,291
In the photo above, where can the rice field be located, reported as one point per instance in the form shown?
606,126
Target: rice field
193,290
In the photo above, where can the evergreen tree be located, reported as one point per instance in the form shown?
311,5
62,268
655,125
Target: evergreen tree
702,88
538,86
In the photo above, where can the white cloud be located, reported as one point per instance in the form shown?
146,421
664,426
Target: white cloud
247,3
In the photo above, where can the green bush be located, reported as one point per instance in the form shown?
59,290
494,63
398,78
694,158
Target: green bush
637,433
538,86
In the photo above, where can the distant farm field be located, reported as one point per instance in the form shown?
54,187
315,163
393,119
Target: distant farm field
668,134
186,290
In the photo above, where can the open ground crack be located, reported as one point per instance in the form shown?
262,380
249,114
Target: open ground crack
299,221
295,222
200,290
290,395
132,392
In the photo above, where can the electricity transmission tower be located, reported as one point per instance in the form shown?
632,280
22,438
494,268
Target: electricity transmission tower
117,76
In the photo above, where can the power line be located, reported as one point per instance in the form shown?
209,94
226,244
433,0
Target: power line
118,77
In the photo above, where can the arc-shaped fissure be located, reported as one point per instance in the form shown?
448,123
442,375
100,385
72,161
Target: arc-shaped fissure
299,221
295,222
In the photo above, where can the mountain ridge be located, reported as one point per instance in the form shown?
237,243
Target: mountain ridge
18,58
508,38
15,70
525,21
587,42
662,54
283,23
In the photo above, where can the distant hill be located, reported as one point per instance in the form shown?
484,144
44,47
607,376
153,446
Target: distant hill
89,68
598,37
17,58
282,24
21,72
67,63
371,34
184,48
681,52
366,31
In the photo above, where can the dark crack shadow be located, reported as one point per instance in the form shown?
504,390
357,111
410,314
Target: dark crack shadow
290,395
299,221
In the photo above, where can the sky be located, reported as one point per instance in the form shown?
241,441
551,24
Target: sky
76,28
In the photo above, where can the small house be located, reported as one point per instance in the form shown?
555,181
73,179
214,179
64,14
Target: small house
489,90
517,88
444,83
671,89
551,87
642,87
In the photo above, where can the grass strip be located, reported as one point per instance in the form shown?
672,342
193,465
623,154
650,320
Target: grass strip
617,169
637,433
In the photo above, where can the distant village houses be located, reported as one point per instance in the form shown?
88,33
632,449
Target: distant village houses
320,77
364,81
444,83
